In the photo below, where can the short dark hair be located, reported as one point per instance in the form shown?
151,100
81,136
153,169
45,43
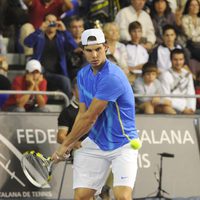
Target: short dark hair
149,67
177,51
168,27
134,25
73,19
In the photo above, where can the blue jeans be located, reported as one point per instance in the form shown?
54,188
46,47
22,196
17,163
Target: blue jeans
58,82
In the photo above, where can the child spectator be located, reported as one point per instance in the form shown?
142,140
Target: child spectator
135,12
148,84
137,54
32,81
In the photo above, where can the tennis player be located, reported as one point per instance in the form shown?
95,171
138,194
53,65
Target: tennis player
107,112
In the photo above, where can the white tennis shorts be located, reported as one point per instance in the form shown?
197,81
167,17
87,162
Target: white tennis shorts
92,166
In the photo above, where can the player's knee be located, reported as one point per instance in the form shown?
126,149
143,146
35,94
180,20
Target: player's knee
83,195
124,196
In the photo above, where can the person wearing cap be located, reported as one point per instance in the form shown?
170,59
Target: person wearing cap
50,44
107,113
33,80
148,84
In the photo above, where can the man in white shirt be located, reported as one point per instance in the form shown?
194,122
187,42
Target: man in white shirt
135,12
178,81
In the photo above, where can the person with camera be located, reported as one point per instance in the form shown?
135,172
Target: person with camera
49,44
37,10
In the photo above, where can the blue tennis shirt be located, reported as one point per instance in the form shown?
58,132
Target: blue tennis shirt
116,124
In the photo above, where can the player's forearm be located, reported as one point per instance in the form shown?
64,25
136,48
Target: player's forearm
80,128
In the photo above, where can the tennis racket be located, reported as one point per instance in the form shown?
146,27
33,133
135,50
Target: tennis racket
37,168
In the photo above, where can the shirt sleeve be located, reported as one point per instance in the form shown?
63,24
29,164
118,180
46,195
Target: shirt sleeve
109,88
63,119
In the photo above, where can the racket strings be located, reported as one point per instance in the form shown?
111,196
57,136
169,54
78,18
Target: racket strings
40,165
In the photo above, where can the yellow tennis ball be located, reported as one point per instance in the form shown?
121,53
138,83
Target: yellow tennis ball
136,143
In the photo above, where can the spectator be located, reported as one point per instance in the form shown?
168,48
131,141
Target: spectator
178,81
161,15
116,48
135,12
148,84
50,46
75,58
137,54
191,27
37,10
160,55
32,81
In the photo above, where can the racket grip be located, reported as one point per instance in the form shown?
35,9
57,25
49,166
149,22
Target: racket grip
62,157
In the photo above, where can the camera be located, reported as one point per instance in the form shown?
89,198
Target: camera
52,24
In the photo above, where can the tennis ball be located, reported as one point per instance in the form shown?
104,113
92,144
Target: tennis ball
136,143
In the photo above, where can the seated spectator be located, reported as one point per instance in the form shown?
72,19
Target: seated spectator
191,27
32,81
135,12
116,48
37,10
160,55
178,81
50,46
148,84
75,58
137,54
161,15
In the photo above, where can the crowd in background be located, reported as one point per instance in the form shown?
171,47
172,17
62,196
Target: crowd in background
155,42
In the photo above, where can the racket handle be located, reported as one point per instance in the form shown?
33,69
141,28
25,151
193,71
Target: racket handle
61,158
